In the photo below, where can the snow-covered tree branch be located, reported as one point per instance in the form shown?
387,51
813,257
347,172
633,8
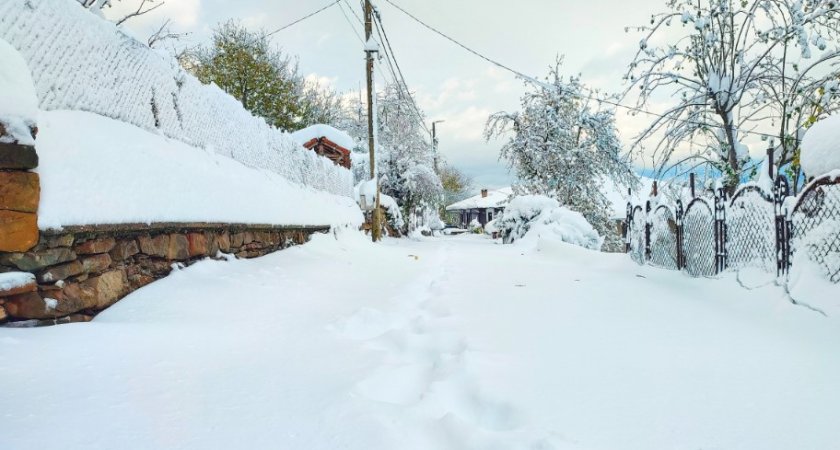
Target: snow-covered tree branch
732,64
565,145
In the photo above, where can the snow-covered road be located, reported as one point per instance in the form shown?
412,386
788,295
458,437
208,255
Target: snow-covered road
451,343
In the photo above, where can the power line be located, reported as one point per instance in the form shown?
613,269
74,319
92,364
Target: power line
303,18
349,22
389,56
445,36
404,85
533,80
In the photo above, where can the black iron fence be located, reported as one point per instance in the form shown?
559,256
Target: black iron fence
752,228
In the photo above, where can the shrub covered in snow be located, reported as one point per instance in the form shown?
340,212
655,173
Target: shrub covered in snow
532,217
393,214
80,62
821,147
475,226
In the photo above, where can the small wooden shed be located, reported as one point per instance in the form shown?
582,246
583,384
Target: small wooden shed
328,142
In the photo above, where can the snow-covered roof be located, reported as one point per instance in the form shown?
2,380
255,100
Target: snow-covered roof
318,131
821,147
497,198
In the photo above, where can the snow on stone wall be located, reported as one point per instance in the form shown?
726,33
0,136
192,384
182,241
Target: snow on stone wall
81,62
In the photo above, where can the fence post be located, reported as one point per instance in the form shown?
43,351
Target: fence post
647,231
720,231
680,237
691,179
627,224
781,190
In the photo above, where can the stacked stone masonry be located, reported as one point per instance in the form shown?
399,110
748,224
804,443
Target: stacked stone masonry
84,270
20,194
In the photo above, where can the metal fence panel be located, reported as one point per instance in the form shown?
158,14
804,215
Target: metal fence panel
699,238
751,233
663,238
815,225
637,235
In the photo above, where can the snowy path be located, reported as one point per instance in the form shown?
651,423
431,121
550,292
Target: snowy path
455,343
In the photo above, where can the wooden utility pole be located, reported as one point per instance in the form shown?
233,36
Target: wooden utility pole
376,219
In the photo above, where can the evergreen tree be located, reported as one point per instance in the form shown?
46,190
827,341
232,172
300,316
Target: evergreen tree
243,64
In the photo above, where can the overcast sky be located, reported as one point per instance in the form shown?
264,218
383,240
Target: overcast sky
450,83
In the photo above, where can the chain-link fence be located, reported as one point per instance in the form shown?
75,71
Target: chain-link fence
755,228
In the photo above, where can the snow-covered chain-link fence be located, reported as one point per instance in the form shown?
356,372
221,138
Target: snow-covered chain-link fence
769,231
81,62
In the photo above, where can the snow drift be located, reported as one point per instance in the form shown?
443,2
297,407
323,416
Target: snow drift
821,147
80,62
18,101
154,179
536,218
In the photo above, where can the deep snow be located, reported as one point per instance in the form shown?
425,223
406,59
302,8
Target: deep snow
18,101
821,147
96,170
459,343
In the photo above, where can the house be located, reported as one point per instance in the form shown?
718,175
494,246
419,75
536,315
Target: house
482,208
328,142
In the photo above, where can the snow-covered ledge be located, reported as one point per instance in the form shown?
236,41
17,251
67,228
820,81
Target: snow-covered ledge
74,273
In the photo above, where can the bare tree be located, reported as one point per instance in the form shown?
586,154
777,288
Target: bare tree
165,34
733,69
144,7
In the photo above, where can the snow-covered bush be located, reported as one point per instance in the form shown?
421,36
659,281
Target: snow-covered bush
531,217
393,213
564,144
18,101
820,152
475,227
80,62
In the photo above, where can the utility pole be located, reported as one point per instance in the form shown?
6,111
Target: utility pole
370,49
435,142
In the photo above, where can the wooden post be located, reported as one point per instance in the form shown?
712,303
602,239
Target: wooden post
376,216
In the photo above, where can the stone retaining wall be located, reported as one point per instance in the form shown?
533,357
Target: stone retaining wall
82,270
20,192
